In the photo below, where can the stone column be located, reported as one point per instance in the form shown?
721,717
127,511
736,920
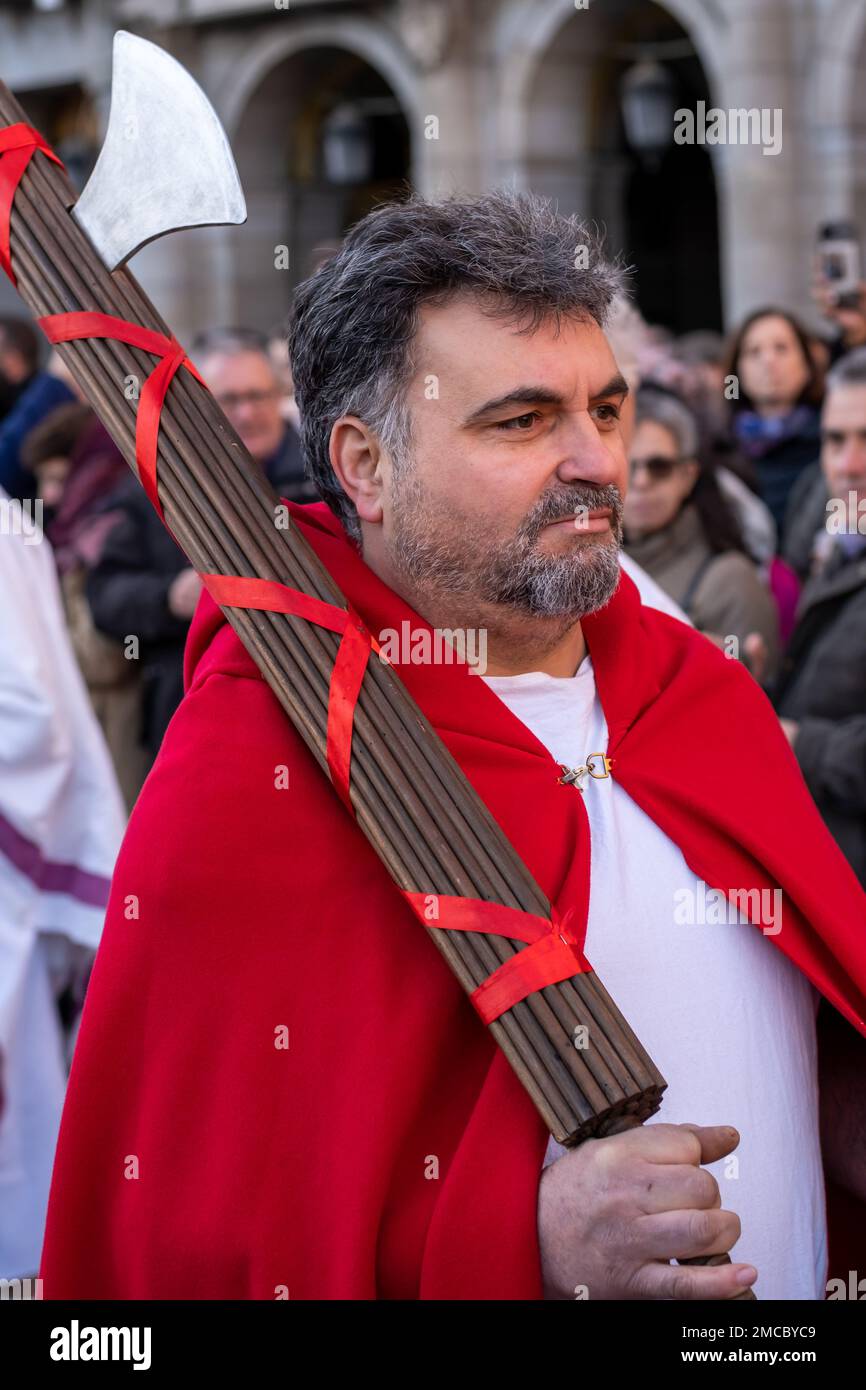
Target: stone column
763,242
835,182
447,43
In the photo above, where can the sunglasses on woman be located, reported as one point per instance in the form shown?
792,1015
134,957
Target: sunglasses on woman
658,467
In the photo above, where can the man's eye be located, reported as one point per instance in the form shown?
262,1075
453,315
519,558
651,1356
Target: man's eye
611,415
519,423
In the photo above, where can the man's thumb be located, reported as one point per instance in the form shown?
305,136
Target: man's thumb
715,1140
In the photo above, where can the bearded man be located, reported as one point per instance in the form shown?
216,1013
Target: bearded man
279,1089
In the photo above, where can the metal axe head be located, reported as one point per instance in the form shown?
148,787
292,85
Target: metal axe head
166,162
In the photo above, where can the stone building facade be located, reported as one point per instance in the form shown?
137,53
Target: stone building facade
332,106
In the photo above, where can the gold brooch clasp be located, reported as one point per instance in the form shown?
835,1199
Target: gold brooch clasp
606,764
571,775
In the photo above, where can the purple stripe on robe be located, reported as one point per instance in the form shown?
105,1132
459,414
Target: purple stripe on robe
49,875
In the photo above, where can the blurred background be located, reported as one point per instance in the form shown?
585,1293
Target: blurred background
331,106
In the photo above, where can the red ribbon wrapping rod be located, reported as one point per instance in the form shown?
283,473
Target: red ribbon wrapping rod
18,144
553,953
232,591
65,328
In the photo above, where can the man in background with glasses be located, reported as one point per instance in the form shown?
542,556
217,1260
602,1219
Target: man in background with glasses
143,585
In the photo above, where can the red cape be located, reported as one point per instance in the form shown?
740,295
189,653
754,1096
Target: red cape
389,1150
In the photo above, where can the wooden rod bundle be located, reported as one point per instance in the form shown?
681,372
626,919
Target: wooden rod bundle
411,799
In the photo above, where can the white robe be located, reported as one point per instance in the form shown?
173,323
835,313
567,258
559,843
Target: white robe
61,822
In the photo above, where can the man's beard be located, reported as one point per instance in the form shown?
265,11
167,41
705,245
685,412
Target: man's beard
442,551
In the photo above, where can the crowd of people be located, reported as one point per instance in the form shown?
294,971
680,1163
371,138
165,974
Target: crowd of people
747,505
746,513
122,576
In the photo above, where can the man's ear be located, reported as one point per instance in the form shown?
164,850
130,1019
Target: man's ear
357,459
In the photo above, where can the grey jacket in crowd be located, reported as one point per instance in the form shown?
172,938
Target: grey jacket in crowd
722,594
822,685
805,520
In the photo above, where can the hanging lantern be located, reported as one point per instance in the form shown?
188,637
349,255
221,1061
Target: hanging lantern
347,145
648,98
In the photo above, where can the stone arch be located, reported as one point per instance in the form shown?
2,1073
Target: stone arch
524,33
274,80
369,41
566,141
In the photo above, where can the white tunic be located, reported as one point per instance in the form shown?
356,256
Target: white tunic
61,822
726,1017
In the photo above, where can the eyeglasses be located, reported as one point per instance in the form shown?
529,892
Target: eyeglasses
230,400
658,467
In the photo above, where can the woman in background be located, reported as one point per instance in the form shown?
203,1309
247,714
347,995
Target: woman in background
776,420
680,528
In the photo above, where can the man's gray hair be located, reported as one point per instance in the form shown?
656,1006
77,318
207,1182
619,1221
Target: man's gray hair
354,322
849,370
227,341
661,408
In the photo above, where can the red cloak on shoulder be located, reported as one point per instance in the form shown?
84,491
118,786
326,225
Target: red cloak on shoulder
387,1150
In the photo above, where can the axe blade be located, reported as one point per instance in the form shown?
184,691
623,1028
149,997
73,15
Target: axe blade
166,162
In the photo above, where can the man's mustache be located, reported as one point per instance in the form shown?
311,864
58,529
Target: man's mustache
585,496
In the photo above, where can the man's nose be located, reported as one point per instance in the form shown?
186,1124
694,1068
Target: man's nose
242,413
586,457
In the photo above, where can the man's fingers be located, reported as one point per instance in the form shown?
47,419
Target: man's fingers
676,1187
685,1143
684,1235
663,1281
